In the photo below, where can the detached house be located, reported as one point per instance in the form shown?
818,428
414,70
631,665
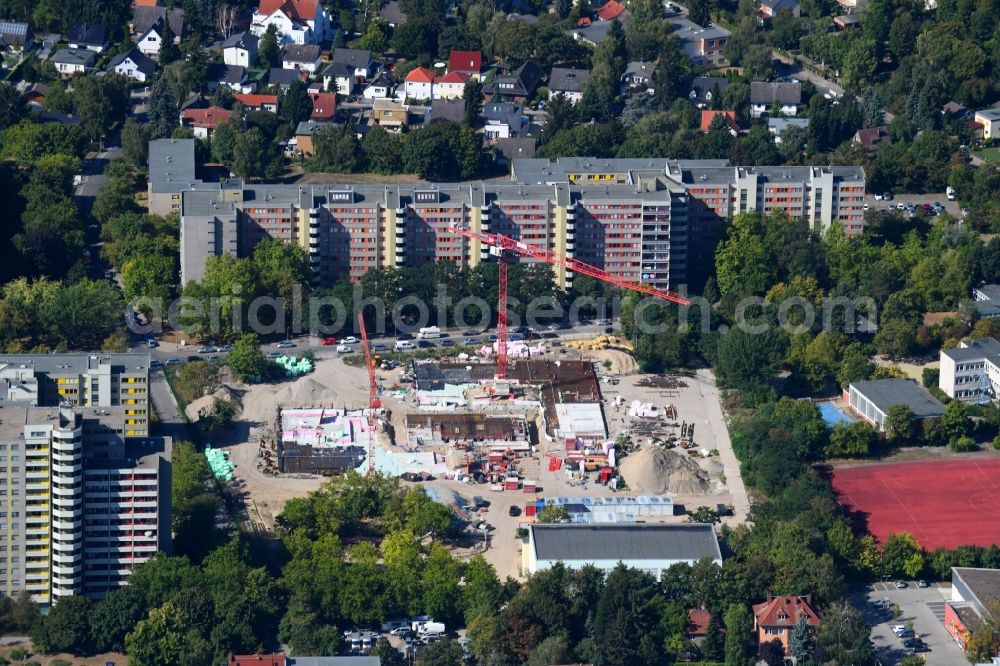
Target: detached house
359,61
90,36
340,78
706,91
775,618
147,27
770,8
764,96
870,138
240,49
134,65
502,121
297,21
304,57
381,87
324,106
73,61
13,36
391,115
419,84
469,63
568,82
258,102
204,121
638,77
728,117
518,86
450,85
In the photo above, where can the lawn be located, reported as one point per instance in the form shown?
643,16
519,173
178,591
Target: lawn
989,154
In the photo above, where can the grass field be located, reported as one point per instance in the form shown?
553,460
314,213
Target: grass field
989,154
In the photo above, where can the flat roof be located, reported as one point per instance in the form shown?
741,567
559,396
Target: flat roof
171,161
625,543
984,348
67,364
581,417
983,583
884,393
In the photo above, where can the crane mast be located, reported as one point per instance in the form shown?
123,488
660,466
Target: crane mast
373,400
506,247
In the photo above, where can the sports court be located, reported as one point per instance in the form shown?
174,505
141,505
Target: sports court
941,502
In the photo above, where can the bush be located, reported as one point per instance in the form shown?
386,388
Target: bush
962,444
996,442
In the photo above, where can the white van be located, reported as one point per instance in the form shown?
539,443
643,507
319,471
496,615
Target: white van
345,349
429,332
404,344
950,193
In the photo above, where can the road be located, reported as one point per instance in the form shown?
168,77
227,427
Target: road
789,68
921,607
91,181
731,466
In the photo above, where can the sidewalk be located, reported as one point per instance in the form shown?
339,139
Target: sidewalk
730,465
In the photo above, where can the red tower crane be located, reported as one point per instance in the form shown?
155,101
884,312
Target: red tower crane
373,400
506,247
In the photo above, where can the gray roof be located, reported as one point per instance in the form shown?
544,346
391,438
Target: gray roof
781,91
357,58
990,292
88,33
447,109
885,393
516,147
595,33
508,114
564,79
779,125
639,68
392,13
338,70
300,52
687,29
143,64
14,33
67,364
282,77
626,543
74,57
309,127
523,80
242,40
992,115
171,161
983,583
224,73
144,18
778,5
702,85
975,349
334,661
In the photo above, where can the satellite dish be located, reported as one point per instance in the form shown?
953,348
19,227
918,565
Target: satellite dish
441,65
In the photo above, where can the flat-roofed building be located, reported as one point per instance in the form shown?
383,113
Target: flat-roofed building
872,399
970,372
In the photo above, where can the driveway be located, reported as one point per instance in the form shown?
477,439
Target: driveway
923,607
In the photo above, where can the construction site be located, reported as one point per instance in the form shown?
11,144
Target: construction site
498,433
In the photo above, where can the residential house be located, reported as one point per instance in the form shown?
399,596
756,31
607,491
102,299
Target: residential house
13,36
706,91
770,8
303,139
419,83
953,110
390,114
281,77
148,27
258,102
469,63
233,77
514,148
204,121
697,623
392,14
729,117
90,36
990,120
765,96
871,138
450,85
240,49
381,87
73,61
35,94
592,33
775,618
638,77
518,86
452,110
777,126
705,47
339,76
296,21
134,65
611,10
324,106
304,57
503,120
846,21
358,60
568,82
849,5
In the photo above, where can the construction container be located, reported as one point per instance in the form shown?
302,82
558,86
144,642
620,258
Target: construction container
528,486
529,509
511,484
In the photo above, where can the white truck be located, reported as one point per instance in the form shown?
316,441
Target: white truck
429,332
404,344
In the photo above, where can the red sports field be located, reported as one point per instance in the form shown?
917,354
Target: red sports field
942,503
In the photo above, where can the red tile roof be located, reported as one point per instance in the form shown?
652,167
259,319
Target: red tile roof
453,77
697,624
611,10
470,62
324,106
583,22
420,75
145,3
208,118
256,659
256,101
708,116
300,10
785,611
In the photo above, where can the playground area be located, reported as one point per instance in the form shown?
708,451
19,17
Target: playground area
945,503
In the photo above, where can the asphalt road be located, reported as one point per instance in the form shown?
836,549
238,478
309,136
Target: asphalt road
92,179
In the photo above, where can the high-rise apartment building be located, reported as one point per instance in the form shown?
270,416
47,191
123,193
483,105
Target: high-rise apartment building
84,490
653,220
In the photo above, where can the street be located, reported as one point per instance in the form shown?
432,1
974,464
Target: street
921,608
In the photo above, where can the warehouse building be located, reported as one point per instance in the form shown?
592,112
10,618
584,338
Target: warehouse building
971,371
651,547
872,399
975,593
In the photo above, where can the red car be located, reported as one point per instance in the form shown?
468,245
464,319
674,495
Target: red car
329,342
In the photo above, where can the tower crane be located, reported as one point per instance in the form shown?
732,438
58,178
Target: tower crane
505,248
373,400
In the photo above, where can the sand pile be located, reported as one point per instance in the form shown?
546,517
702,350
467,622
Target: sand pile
304,392
622,363
203,405
656,471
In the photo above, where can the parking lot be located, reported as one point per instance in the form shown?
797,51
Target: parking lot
921,608
952,207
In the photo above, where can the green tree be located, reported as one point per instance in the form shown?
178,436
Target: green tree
896,338
855,439
435,152
268,51
383,151
115,616
163,109
739,624
800,643
12,106
757,65
714,646
168,47
135,143
962,444
101,103
246,359
955,422
165,639
843,636
224,140
149,276
552,513
747,361
66,628
250,155
336,148
483,593
84,313
296,105
441,653
901,425
472,93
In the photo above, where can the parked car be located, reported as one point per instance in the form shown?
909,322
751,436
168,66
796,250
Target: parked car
380,347
471,332
274,354
404,336
887,196
516,337
896,628
349,340
206,350
879,197
286,344
470,341
923,583
906,633
493,338
329,341
152,344
345,349
447,343
224,349
404,344
514,510
172,361
901,585
425,344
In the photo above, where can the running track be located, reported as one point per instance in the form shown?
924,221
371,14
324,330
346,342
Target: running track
942,503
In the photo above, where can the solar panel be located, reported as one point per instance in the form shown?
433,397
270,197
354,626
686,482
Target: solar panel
19,29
